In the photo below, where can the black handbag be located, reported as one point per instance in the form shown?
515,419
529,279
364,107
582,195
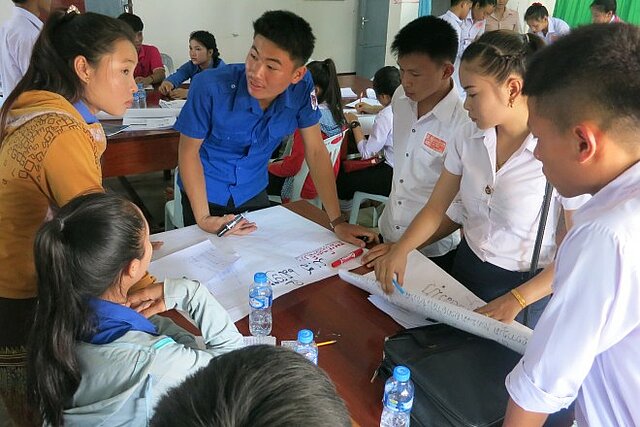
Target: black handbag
458,377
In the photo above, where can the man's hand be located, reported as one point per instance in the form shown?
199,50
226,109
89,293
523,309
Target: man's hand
375,253
213,224
148,301
355,234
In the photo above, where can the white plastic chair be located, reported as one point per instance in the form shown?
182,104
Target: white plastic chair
173,208
167,61
358,198
333,145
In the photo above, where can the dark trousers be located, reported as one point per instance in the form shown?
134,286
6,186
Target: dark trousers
275,185
374,180
488,281
258,202
445,261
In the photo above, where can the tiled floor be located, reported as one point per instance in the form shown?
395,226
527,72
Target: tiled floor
151,188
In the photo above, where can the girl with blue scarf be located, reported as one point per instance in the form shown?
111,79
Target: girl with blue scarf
94,360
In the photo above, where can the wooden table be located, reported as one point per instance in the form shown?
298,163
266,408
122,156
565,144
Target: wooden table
357,83
134,152
333,306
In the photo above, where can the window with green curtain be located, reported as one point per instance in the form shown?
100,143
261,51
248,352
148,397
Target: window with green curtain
577,12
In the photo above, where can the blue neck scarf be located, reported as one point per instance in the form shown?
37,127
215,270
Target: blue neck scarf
115,320
85,113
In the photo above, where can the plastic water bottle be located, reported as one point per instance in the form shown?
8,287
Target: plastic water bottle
398,399
306,346
136,100
142,96
260,299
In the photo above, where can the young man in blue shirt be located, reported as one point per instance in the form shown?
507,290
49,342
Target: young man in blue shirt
237,115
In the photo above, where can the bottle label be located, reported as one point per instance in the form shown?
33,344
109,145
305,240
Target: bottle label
260,302
399,406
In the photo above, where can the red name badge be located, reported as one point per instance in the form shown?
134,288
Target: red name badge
435,143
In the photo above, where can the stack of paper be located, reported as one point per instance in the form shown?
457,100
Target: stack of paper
150,118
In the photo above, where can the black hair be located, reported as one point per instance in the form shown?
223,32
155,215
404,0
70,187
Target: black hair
592,73
484,3
536,12
386,80
64,37
256,386
326,78
207,39
502,53
427,35
455,2
605,6
79,254
133,21
289,31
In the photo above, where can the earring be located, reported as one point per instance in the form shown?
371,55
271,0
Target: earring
510,103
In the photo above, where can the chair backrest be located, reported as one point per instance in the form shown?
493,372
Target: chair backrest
168,63
333,145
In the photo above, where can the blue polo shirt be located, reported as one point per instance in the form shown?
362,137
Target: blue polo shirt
238,136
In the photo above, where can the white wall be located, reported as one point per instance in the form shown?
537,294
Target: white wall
169,22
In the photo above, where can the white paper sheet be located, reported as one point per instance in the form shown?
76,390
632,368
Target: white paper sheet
175,104
371,94
405,318
290,249
347,92
203,262
150,118
432,293
266,340
371,101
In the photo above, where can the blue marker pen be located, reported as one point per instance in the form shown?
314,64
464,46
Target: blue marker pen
398,287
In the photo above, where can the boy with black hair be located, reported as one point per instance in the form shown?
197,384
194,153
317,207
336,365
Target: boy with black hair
17,37
257,386
586,346
427,112
604,12
150,69
236,116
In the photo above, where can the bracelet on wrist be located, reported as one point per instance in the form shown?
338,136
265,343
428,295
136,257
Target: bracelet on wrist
337,221
519,298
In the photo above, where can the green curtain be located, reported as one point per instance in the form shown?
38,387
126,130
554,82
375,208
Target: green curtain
577,12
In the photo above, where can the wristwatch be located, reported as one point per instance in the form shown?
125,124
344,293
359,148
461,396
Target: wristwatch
354,124
341,219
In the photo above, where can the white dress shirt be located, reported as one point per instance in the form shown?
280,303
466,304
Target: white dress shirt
587,342
502,209
471,30
557,28
17,37
419,149
455,22
380,138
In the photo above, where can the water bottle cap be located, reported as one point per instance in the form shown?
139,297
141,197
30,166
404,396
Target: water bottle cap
260,278
401,373
305,336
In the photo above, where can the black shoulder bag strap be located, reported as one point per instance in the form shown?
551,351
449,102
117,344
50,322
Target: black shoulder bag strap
546,202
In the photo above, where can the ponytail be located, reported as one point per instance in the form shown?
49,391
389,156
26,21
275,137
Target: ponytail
502,53
79,254
64,37
326,78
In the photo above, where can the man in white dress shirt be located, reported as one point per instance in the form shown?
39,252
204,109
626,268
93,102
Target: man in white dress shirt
17,37
586,345
427,112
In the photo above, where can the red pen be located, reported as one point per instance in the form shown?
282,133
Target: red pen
348,257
